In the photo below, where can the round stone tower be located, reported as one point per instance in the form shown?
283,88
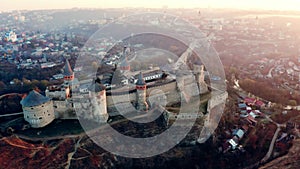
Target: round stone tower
141,88
97,95
38,109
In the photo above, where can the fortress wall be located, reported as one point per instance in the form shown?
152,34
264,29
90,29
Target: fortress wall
89,109
117,99
190,79
169,90
131,97
56,94
217,100
215,110
126,107
172,86
60,106
122,101
122,108
83,107
173,97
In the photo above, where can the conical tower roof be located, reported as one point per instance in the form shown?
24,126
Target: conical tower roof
124,62
141,80
68,70
34,98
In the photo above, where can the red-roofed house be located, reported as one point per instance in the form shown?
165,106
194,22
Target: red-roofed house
245,128
254,102
259,103
251,120
250,101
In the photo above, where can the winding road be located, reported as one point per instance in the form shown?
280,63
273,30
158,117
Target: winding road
271,147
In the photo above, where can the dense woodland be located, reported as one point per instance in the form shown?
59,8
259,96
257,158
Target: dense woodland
266,91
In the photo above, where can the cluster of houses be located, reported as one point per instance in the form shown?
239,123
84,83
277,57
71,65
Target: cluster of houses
233,143
285,68
28,50
249,109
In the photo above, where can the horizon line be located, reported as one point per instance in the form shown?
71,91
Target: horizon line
166,8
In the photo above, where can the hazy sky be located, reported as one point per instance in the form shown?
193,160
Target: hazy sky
6,5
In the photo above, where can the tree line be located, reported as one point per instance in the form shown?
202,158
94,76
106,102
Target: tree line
268,92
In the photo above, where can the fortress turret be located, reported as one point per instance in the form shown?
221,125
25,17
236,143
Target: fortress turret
141,88
199,74
68,72
68,78
38,109
97,95
124,65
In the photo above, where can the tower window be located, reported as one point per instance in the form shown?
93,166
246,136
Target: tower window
41,118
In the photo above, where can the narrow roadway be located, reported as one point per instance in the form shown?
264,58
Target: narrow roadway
271,147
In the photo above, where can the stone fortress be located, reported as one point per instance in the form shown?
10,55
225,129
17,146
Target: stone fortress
141,91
